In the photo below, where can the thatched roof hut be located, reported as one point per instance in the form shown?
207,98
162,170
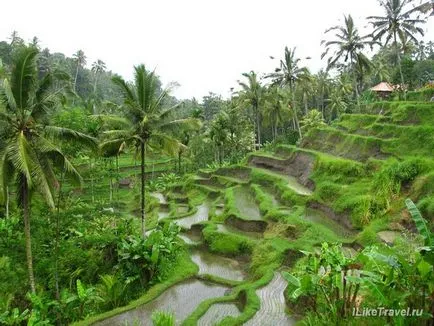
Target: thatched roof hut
383,89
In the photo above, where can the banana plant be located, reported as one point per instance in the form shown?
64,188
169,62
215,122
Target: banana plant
330,277
85,297
14,317
421,225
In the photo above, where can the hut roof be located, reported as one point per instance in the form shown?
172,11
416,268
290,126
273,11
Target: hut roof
382,87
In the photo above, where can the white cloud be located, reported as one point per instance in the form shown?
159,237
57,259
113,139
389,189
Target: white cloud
203,44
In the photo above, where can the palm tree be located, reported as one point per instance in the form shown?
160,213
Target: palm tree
16,40
80,60
430,49
363,67
252,94
218,133
30,150
146,123
312,120
348,46
288,74
322,84
337,103
397,23
381,69
306,89
98,67
276,108
421,51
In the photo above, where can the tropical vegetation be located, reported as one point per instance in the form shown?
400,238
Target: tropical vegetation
304,195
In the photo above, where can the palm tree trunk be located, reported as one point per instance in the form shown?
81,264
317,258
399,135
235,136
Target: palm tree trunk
258,126
322,106
398,57
295,112
94,84
75,79
94,94
117,176
355,79
276,128
26,215
142,191
56,251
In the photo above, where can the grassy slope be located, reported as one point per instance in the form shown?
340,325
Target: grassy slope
345,185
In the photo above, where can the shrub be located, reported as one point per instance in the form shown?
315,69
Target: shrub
162,318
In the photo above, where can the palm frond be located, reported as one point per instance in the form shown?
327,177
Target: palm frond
6,174
23,77
66,134
112,147
111,120
8,96
59,159
127,92
165,142
188,124
22,157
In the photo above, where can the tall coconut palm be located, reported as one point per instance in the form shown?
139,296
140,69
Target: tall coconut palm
322,85
363,66
381,69
252,94
348,46
306,88
287,75
146,123
31,151
276,108
98,67
80,61
219,134
421,51
5,193
397,24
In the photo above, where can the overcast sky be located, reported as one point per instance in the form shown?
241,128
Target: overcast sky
204,45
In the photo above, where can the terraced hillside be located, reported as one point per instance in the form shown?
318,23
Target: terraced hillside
244,225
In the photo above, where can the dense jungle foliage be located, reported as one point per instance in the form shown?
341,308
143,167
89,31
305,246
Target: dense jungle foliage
310,176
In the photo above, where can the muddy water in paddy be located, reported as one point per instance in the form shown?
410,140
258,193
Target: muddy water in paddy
317,216
272,310
246,203
297,187
230,229
217,312
189,239
292,182
160,197
181,299
223,267
181,209
199,216
162,213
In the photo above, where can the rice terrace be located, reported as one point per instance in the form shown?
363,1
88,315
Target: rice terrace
303,197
